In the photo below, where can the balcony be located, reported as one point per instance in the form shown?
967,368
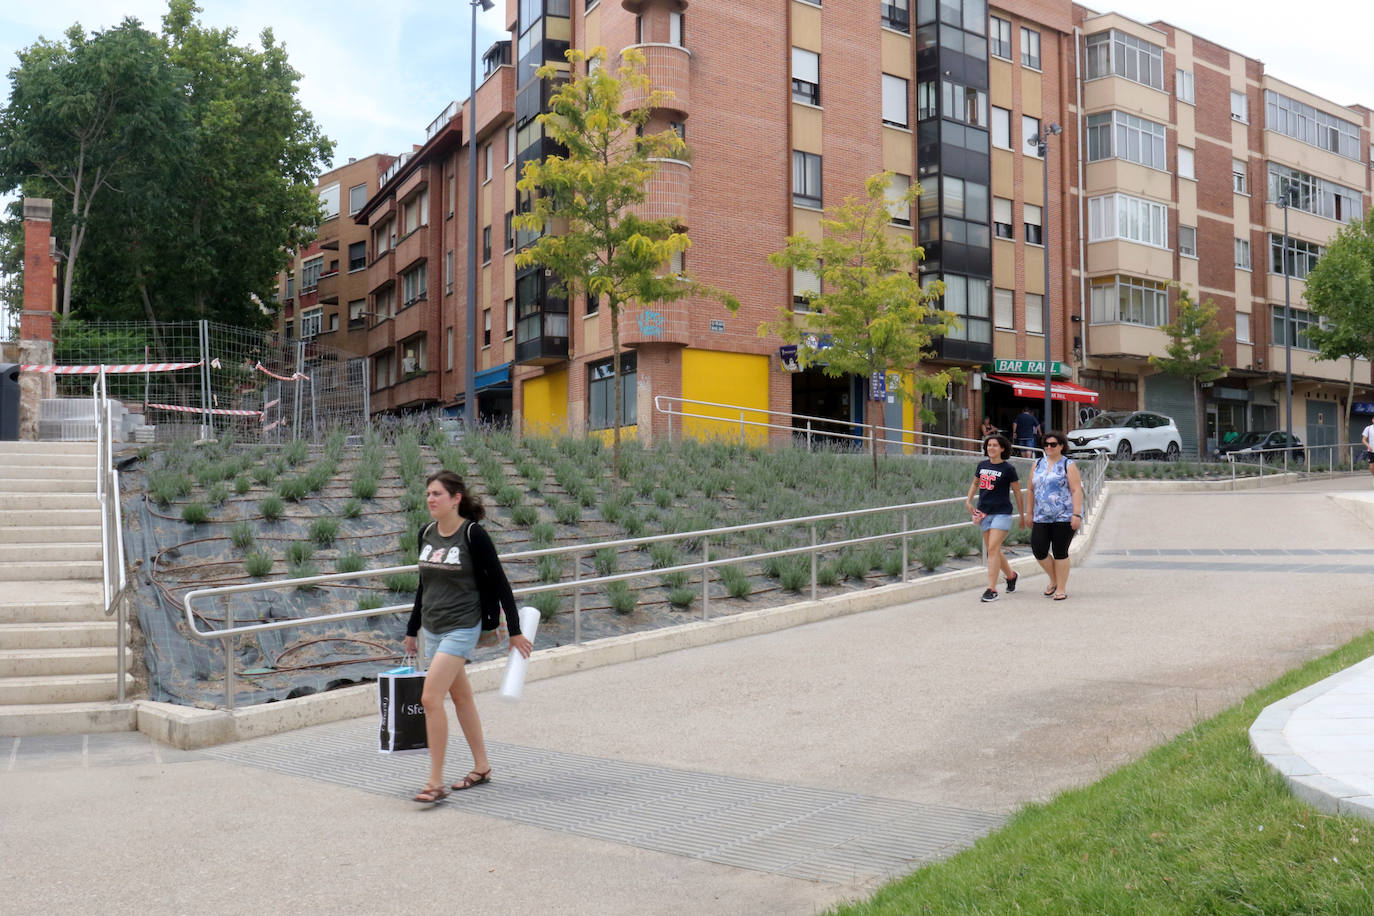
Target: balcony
1125,341
328,289
661,323
495,100
381,271
415,319
669,70
415,389
668,193
413,247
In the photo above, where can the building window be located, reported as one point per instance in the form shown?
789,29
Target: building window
966,104
927,101
1001,218
1185,163
357,198
676,28
448,272
1034,227
1126,56
384,302
1187,241
1132,219
1183,85
1243,327
1030,48
1313,195
354,372
895,101
1118,135
413,359
357,313
1030,127
329,200
969,299
510,318
1300,257
510,230
898,207
448,354
1239,179
999,37
806,76
310,323
1315,128
450,193
601,392
415,213
806,285
1127,300
1302,322
1035,313
414,286
289,331
310,273
593,304
333,321
486,327
1240,107
510,145
1243,254
486,244
806,179
383,238
1001,128
964,199
896,15
357,256
383,371
1003,313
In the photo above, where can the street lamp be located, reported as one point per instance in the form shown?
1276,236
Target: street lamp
1041,142
1286,189
470,353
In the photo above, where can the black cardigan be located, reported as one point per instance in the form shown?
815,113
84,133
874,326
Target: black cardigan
492,584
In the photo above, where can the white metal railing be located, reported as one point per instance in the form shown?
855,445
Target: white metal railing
113,578
1339,454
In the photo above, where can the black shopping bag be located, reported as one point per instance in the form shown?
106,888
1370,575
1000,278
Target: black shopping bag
403,717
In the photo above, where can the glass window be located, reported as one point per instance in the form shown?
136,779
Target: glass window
357,197
601,392
1243,254
357,256
1187,241
1030,127
1001,128
894,101
1299,257
1124,55
1315,128
1132,219
1239,178
510,318
310,273
448,271
806,179
1183,85
806,76
329,200
927,101
896,14
1003,314
310,322
1034,228
1001,218
1128,300
1301,322
969,300
1312,194
999,37
1035,313
1243,327
1030,48
1185,163
1118,135
806,284
899,208
1240,107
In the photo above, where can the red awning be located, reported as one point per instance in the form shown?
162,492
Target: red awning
1035,388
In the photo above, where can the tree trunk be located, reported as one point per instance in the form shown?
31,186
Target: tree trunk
873,440
617,414
1201,415
1349,408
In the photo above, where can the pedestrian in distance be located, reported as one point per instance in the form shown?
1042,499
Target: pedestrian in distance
996,484
1367,437
1026,429
460,575
987,429
1056,510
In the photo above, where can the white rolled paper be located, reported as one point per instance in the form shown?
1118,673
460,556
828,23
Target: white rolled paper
513,684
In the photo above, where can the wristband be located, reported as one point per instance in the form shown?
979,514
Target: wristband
1077,515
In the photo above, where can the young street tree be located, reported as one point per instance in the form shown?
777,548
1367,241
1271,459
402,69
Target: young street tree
872,315
1340,289
584,200
1194,352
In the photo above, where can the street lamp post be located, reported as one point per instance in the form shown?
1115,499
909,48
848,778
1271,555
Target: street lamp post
1287,317
1041,142
469,128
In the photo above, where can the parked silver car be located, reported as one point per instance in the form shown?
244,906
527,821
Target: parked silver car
1128,434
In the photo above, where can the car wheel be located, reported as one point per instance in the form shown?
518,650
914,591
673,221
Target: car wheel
1171,453
1123,450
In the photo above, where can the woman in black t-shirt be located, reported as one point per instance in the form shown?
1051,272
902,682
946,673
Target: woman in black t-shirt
996,483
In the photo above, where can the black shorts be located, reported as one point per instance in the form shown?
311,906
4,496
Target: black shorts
1051,535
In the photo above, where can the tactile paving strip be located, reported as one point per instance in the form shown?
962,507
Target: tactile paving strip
800,832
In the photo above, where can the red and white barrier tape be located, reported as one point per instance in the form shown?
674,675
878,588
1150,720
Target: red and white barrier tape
293,377
115,370
220,411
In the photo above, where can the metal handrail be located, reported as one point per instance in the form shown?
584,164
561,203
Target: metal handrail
1234,459
112,574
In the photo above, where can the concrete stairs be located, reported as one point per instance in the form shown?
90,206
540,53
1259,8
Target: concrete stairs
58,657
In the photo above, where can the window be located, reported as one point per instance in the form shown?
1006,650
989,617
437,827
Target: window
415,212
384,238
1003,314
806,285
1296,261
355,372
1035,313
448,350
1239,178
329,200
357,313
1034,228
1030,48
1185,163
333,326
898,207
448,272
510,230
896,15
450,194
413,358
289,330
310,323
1129,301
806,76
679,128
1131,219
927,101
1302,322
1183,85
414,286
510,145
486,244
1243,254
310,273
675,28
510,318
1315,128
357,256
1243,327
894,101
357,198
806,179
601,392
1123,55
1240,107
384,302
486,327
1030,127
999,37
966,104
486,162
1313,195
1187,241
1001,128
1118,135
1001,218
383,370
969,299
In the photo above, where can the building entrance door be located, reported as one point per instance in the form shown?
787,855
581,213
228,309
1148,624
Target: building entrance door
833,400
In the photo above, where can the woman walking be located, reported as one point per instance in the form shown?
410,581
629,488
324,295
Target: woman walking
996,483
1056,499
460,574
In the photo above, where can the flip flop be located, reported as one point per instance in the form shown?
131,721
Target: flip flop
431,795
1060,596
1049,592
472,779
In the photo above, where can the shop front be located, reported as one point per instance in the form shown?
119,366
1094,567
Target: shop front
1013,385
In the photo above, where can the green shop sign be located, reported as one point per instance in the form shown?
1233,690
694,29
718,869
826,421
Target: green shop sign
1028,367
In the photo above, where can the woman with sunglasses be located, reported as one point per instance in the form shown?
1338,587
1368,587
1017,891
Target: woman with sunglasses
996,483
1056,510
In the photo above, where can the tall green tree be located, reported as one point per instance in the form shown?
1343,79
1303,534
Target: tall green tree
586,196
1340,289
872,314
1194,352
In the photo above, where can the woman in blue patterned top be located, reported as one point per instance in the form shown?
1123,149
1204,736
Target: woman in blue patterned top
1056,499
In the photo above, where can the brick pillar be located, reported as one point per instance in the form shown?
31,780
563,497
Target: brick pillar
35,323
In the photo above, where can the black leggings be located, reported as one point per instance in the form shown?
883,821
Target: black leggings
1045,535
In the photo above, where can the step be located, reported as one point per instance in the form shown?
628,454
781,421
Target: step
51,534
18,486
29,570
43,469
59,662
49,601
62,551
83,634
67,688
29,502
67,719
51,518
64,452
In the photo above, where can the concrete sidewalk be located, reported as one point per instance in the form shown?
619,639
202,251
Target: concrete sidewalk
938,715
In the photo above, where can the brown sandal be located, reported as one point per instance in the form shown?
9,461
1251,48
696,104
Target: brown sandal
430,795
472,779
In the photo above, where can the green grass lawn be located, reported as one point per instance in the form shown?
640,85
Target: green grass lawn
1199,825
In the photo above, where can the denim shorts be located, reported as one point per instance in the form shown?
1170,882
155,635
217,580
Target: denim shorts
1000,522
461,642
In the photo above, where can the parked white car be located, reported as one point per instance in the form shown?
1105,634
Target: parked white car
1128,434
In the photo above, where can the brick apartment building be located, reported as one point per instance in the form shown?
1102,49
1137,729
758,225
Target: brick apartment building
1171,160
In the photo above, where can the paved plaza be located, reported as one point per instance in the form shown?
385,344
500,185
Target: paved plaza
780,773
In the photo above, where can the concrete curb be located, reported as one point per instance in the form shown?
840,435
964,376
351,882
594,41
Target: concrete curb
1204,486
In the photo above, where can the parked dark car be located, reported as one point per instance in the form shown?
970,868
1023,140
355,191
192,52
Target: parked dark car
1263,445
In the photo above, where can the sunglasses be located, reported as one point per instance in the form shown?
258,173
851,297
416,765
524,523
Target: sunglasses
1049,443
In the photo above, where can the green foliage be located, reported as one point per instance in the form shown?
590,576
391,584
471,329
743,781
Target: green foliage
302,570
663,554
932,551
508,495
364,487
349,562
736,581
352,509
242,484
1340,290
369,602
550,568
296,451
258,564
828,573
543,535
682,597
548,604
607,561
795,573
662,498
402,582
298,552
217,495
892,563
1194,352
265,476
242,535
324,530
567,513
853,564
195,513
676,579
524,516
271,508
293,489
623,598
